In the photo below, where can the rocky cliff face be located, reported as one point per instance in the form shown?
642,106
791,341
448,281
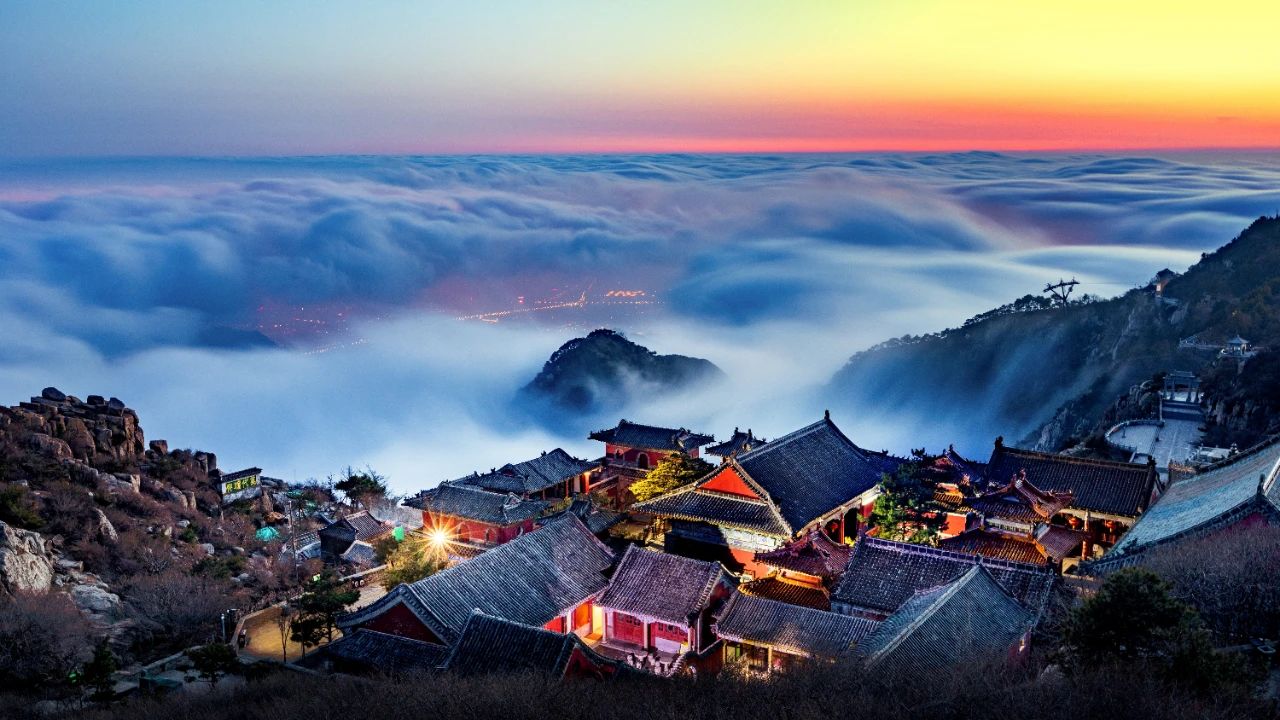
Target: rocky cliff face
101,432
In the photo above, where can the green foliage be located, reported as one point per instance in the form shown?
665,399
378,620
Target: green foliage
213,661
410,561
318,608
383,547
674,471
97,673
1134,621
19,508
189,534
220,566
360,486
900,512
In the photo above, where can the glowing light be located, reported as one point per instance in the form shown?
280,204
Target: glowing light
439,538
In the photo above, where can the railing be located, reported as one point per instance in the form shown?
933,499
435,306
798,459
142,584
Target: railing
1129,423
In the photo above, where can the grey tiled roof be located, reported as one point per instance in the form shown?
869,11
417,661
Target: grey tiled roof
494,645
597,519
649,437
475,504
969,619
789,592
790,628
366,526
814,554
531,580
387,653
693,503
531,476
739,442
994,544
813,470
883,574
664,587
800,477
1102,486
1204,501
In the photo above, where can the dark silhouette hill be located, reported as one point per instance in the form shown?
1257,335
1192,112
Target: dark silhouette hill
1047,376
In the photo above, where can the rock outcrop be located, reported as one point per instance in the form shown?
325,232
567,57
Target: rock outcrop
26,562
604,371
62,427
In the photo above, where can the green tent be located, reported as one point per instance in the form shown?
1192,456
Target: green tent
267,534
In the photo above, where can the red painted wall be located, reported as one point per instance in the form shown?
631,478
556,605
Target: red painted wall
628,629
400,620
748,560
465,529
556,624
728,481
675,633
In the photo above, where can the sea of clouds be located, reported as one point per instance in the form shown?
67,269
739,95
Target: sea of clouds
119,277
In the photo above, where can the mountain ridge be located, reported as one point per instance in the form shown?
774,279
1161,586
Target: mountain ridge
1049,375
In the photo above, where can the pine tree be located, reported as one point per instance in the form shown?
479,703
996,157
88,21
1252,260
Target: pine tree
673,472
97,673
317,610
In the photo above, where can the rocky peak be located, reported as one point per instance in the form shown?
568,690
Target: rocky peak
97,431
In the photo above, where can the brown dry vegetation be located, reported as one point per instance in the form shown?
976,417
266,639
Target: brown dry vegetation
818,693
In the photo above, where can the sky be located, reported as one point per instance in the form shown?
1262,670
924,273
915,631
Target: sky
132,278
242,77
261,223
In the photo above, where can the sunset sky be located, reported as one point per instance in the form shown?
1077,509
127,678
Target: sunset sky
391,76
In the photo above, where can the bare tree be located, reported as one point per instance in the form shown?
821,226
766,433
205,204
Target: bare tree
43,637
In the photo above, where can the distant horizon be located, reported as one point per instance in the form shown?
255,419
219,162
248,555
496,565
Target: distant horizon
1155,150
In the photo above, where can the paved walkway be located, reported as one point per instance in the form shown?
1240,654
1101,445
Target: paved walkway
1174,442
263,630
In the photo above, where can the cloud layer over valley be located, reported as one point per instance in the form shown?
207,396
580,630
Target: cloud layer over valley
166,282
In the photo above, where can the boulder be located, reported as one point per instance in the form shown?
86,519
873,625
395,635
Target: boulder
96,602
53,393
95,400
26,563
105,529
160,447
77,435
116,404
207,548
184,524
50,447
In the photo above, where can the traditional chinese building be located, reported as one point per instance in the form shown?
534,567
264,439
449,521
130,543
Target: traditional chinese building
346,540
555,474
369,652
491,644
1107,497
956,481
884,574
768,635
813,478
240,485
1243,491
739,442
1013,523
547,578
468,513
801,572
969,620
632,449
662,603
